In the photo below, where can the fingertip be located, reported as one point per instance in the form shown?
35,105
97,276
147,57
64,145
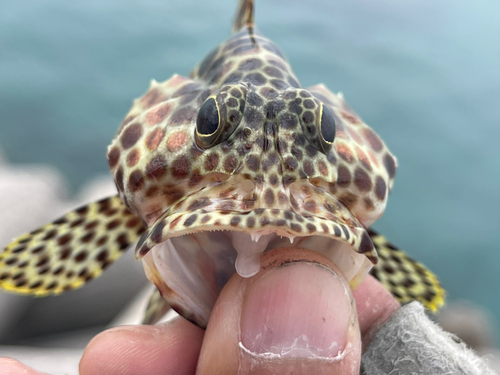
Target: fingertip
10,366
171,348
295,316
375,305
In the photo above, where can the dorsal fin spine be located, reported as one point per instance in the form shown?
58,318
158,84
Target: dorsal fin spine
244,15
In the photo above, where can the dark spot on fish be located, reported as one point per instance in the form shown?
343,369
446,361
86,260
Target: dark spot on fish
234,77
131,135
63,240
250,64
344,177
156,236
256,79
181,167
135,181
269,197
190,220
235,221
380,188
279,84
311,227
366,244
254,99
390,165
362,180
250,222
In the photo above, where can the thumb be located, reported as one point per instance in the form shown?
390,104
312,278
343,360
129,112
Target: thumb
297,315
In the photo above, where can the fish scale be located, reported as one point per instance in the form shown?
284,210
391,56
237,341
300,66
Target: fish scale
238,146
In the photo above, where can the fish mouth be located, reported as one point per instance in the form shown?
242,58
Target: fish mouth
190,255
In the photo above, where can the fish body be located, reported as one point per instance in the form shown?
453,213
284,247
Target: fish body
214,169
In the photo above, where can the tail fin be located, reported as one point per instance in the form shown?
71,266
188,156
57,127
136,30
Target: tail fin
244,15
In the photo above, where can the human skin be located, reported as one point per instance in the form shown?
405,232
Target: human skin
284,318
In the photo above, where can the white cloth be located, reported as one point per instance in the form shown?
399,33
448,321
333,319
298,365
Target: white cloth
410,343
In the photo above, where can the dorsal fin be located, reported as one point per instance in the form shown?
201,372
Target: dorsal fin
244,15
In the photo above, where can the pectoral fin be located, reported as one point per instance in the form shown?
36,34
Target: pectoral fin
70,251
407,279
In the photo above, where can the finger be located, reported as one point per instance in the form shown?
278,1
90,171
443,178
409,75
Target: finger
171,348
9,366
375,305
297,315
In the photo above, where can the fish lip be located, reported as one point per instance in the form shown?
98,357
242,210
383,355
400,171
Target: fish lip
285,223
187,301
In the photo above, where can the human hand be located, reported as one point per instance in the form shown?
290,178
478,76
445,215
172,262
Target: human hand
290,312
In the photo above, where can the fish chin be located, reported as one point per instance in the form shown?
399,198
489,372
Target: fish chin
190,270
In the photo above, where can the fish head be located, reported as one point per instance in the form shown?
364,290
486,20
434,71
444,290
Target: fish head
229,163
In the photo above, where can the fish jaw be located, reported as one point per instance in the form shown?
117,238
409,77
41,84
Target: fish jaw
191,251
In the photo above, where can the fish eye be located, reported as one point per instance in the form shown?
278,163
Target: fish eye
327,128
208,123
219,116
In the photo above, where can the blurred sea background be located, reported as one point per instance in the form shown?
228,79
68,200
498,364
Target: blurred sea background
424,74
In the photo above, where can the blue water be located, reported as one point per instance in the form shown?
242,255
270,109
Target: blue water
425,74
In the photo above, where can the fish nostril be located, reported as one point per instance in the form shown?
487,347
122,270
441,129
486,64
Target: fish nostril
270,128
273,108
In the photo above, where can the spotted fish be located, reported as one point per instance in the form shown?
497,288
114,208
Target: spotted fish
214,169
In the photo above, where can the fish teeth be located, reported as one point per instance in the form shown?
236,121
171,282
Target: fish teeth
255,236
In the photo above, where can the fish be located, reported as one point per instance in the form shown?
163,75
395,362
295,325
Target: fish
214,169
